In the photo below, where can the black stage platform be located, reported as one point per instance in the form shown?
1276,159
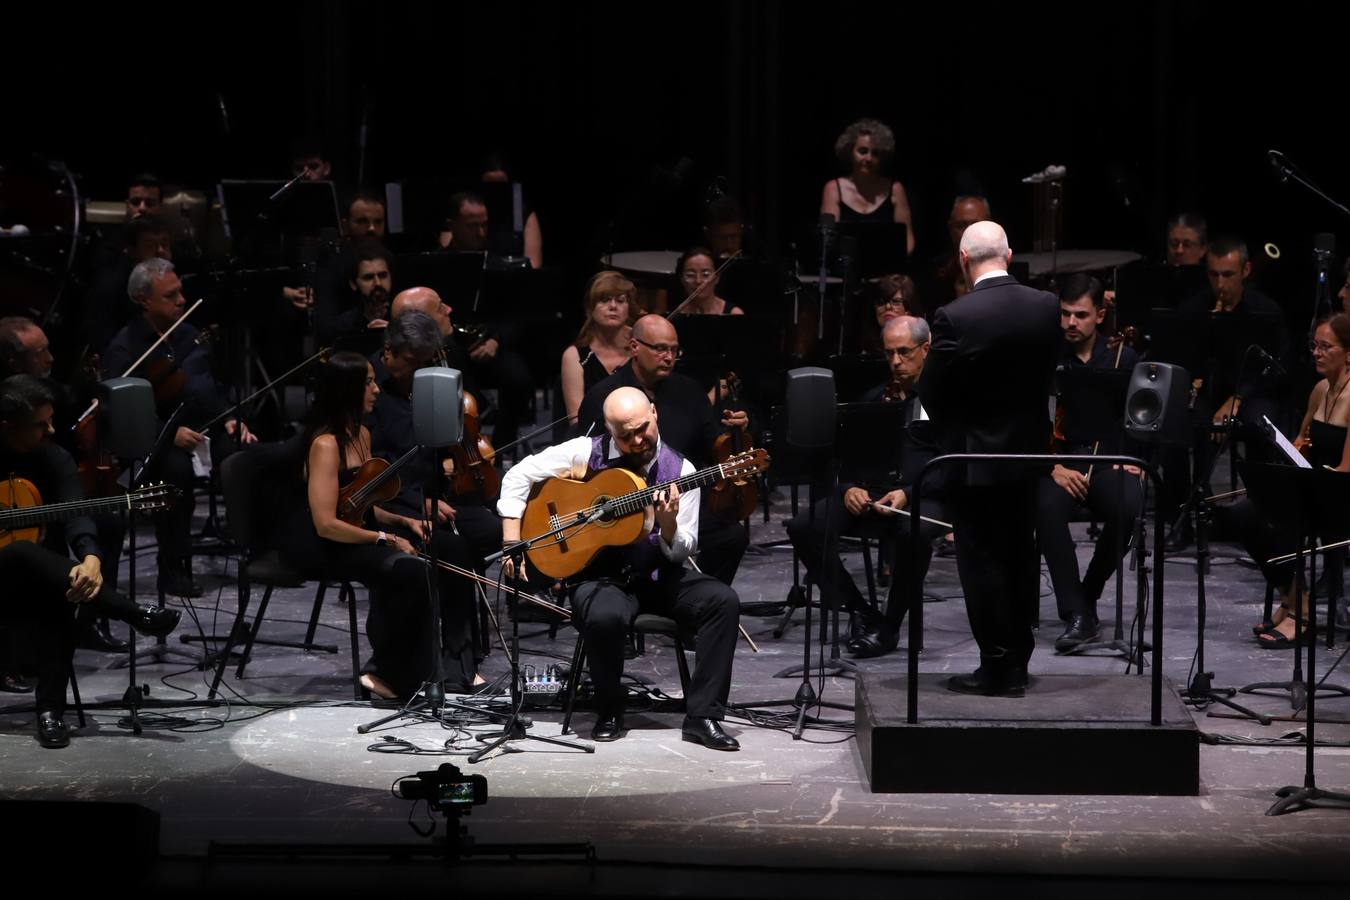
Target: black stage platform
1071,734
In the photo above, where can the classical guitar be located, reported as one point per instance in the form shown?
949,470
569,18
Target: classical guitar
23,514
612,508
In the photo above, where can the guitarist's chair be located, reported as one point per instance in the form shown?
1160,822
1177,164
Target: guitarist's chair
643,625
246,477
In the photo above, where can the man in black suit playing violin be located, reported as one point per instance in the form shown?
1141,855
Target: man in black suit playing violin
185,391
646,576
986,385
42,582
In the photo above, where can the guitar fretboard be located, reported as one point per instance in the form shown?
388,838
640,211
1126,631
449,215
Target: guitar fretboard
638,500
32,516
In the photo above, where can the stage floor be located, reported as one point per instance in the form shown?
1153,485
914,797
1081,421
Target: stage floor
301,773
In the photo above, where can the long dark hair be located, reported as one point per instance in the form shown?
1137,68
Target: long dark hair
339,401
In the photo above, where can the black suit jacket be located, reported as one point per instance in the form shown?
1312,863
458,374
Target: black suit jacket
989,374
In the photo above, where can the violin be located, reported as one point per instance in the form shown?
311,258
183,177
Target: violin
737,496
471,466
167,376
375,482
98,471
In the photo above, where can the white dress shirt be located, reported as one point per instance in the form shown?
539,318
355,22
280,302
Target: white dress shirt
569,460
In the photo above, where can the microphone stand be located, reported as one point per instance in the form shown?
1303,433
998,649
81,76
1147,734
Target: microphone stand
826,233
516,724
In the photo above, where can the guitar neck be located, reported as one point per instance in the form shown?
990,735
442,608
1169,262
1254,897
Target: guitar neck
637,500
34,516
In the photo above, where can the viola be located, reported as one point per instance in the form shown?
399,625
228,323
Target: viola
167,376
472,468
737,496
97,469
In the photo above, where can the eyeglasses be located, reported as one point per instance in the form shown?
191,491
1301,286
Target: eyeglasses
902,352
896,302
1182,243
1321,347
662,349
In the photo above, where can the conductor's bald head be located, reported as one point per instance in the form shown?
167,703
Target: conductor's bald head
630,417
984,248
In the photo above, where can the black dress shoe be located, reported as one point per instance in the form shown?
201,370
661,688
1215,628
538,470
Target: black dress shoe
877,641
707,732
608,728
154,621
94,635
1081,630
51,731
986,683
14,683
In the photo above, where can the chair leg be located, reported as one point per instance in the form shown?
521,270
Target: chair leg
314,613
867,568
75,695
253,632
683,662
349,592
236,628
574,679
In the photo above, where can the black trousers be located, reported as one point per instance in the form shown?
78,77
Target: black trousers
398,624
815,536
173,526
721,546
36,608
1115,498
480,527
603,612
997,562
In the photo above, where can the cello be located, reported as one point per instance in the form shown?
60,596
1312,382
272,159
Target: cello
738,495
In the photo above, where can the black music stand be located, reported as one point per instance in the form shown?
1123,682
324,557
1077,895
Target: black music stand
881,247
263,222
1308,501
748,345
1095,399
857,373
1280,494
1142,288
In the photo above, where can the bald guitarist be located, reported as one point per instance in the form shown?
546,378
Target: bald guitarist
649,576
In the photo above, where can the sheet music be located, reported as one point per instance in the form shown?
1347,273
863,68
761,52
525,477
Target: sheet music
1283,443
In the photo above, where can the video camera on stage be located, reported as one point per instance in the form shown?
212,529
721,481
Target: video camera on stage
444,789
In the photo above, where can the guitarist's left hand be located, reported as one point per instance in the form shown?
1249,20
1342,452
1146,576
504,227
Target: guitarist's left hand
667,506
85,580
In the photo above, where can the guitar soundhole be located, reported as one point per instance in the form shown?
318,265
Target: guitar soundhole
607,519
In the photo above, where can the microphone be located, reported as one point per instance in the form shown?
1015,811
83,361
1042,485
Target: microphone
826,222
1267,361
1282,167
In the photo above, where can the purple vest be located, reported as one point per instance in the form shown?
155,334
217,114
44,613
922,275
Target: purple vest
644,558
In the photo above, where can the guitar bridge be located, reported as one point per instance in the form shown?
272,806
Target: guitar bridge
555,522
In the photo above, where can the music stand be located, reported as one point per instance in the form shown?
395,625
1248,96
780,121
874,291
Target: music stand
1142,288
260,227
857,373
1309,502
881,247
748,345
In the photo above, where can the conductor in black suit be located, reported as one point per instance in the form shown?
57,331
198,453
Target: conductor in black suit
986,386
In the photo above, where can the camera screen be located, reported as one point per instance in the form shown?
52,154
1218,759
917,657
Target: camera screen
458,792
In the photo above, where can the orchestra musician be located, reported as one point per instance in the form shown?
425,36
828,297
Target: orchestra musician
649,575
865,194
25,350
601,346
690,425
42,582
1187,239
985,383
867,510
185,386
106,307
382,554
1114,496
356,317
948,278
1321,438
1216,400
531,243
697,271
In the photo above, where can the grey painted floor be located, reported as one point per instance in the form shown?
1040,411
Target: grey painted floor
301,773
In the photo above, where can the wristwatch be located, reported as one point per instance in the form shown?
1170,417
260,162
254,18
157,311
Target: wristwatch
381,539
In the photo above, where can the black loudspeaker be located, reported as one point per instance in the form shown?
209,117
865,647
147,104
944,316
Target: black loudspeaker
810,408
128,408
438,406
1157,404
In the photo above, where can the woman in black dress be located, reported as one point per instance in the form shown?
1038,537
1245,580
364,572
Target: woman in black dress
380,554
602,344
866,193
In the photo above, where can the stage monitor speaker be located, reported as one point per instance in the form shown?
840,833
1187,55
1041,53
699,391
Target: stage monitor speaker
1157,404
810,408
438,406
128,408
